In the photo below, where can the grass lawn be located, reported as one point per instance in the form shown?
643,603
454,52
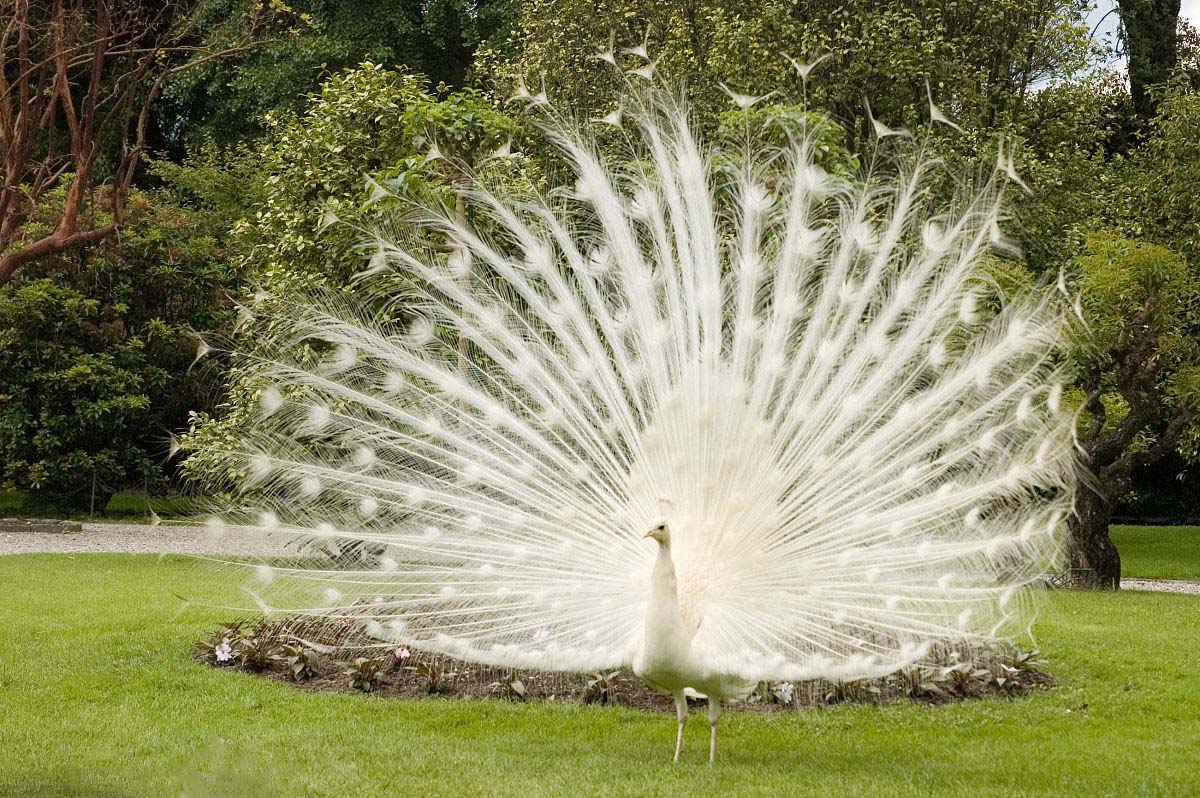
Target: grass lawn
1158,552
99,697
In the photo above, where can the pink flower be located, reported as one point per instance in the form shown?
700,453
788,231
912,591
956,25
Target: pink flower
223,651
403,653
379,599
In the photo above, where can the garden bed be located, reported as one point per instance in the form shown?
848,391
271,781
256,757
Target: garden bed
317,657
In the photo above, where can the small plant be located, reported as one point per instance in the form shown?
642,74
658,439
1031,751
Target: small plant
1025,661
256,652
918,682
363,673
1000,676
222,648
510,686
433,676
782,693
964,678
301,661
601,689
856,690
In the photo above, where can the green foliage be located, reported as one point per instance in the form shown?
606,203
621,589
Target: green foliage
227,100
1165,172
363,672
302,661
881,51
321,173
777,124
463,126
96,350
1124,283
1139,352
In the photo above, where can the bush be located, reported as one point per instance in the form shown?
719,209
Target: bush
365,122
96,356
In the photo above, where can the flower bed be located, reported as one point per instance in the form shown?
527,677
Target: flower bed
317,656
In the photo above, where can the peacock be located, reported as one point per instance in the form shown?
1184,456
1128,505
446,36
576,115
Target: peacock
715,412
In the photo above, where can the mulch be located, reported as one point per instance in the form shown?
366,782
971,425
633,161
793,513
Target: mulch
459,680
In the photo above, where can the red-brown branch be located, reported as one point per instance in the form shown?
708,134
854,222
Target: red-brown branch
88,72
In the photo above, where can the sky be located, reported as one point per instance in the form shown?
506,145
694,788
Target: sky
1189,10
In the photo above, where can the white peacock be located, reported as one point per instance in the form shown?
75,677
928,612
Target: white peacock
844,444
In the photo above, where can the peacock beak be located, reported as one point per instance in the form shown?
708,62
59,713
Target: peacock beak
649,534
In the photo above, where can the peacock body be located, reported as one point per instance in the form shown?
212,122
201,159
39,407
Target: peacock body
850,442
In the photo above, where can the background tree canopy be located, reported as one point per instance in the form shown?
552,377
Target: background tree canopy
266,163
311,40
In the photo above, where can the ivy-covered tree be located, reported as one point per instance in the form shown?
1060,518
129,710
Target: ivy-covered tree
1150,30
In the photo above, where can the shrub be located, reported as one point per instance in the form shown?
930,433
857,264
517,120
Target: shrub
601,688
96,355
434,677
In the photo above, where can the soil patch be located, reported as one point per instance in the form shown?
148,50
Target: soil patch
951,674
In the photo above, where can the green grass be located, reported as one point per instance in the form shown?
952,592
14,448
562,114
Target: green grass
1158,552
100,697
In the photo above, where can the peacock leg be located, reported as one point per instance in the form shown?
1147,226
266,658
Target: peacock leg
681,712
714,715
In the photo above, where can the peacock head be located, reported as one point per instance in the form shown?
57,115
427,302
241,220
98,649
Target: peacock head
660,532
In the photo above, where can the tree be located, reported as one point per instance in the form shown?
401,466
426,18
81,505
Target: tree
78,80
1150,29
1140,382
982,58
229,100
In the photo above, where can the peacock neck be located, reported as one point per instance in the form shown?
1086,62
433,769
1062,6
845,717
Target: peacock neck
663,577
663,618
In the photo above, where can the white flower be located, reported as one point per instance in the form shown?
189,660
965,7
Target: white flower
403,653
223,651
784,692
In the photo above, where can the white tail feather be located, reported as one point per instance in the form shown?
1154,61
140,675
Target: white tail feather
856,457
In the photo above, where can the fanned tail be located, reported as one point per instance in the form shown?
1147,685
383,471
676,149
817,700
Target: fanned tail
856,436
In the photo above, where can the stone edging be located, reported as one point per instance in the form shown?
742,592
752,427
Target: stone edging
10,525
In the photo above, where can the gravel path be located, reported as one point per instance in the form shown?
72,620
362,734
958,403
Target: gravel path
135,539
168,539
1161,585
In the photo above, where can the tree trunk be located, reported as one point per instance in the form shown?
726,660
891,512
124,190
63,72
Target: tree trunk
1092,558
1151,41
